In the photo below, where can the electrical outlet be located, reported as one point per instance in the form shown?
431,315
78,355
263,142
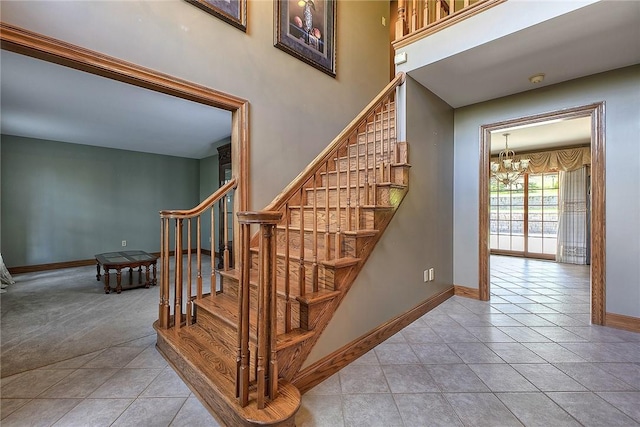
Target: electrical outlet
432,274
124,243
384,22
425,276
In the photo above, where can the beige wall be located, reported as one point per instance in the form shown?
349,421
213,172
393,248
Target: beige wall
295,110
620,90
419,236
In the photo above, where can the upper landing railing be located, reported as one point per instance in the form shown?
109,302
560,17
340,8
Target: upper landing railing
420,18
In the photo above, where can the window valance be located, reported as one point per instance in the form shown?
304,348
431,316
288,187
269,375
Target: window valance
567,160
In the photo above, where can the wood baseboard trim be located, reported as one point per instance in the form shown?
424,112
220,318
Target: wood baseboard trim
464,291
621,321
80,263
322,369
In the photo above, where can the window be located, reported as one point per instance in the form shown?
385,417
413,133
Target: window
523,217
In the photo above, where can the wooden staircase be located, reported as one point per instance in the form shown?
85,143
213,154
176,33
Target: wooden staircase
240,348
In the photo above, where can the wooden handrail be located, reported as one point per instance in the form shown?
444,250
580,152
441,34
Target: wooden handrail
280,200
206,203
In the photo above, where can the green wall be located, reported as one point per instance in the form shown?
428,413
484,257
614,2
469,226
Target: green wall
66,202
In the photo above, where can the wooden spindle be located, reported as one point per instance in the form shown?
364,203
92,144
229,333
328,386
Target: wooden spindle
326,213
301,270
314,248
338,252
189,303
199,258
225,226
348,209
425,13
388,150
366,163
242,352
177,311
357,213
212,238
401,24
374,166
164,307
287,279
414,17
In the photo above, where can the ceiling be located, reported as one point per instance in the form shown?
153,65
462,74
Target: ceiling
49,101
52,102
595,38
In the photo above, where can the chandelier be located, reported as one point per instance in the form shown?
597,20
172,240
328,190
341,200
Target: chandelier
507,170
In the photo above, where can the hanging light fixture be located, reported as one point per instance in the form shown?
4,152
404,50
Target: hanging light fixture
507,170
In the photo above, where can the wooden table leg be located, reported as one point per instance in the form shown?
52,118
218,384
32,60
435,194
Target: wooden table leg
140,275
107,287
146,283
118,280
98,275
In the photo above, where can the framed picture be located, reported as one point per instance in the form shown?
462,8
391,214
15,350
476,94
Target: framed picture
232,11
306,29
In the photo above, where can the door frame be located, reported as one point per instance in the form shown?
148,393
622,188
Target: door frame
25,42
596,112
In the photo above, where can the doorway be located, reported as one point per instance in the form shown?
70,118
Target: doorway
41,47
595,113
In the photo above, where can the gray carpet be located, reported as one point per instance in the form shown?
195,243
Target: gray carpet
55,315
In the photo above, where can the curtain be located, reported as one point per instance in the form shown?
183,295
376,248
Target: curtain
572,217
561,160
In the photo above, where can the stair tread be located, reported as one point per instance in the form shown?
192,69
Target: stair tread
219,374
281,285
358,233
229,315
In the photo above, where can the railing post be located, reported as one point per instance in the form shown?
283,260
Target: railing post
267,364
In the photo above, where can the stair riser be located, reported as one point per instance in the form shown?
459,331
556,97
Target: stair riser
382,198
325,278
348,244
397,177
365,163
371,136
366,218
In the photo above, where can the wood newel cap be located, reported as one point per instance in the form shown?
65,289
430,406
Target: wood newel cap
259,217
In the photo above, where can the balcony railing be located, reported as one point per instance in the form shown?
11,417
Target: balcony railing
420,18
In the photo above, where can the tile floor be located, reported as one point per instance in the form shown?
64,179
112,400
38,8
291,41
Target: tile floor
529,357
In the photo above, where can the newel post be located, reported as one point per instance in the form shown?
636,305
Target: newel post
164,313
267,366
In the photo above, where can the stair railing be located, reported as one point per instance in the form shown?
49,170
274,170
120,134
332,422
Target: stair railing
172,248
369,144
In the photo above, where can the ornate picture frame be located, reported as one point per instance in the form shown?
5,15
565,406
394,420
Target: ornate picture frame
306,29
233,12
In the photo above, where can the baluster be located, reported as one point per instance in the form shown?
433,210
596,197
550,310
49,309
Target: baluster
357,214
301,270
401,26
189,308
425,13
348,209
212,238
199,257
388,151
242,352
225,226
287,285
326,213
414,17
374,165
177,312
338,242
366,163
164,308
314,271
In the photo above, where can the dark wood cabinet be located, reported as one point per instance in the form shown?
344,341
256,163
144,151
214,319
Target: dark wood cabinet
224,175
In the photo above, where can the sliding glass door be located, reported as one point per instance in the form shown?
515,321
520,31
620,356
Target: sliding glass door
524,216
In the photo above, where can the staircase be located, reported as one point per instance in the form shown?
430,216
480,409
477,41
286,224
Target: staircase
241,347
